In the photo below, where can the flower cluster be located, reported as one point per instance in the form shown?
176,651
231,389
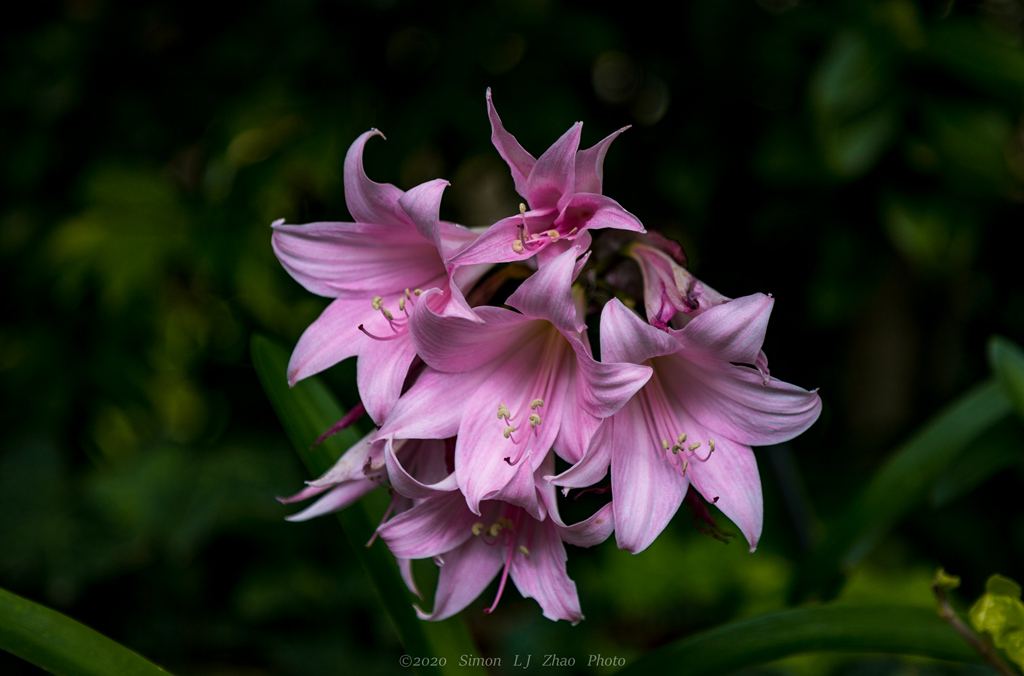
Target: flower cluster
474,401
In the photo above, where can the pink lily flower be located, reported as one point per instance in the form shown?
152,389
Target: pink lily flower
513,388
668,286
694,421
471,548
376,269
563,191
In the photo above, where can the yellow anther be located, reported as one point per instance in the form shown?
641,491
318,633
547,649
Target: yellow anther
503,412
377,302
571,232
478,528
407,294
664,444
536,403
711,443
417,292
517,246
676,449
694,446
508,431
401,305
524,550
522,208
534,420
386,313
494,530
505,523
553,234
686,464
682,439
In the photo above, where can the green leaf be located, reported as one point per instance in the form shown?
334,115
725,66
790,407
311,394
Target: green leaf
874,629
61,645
306,411
1007,361
899,487
1000,613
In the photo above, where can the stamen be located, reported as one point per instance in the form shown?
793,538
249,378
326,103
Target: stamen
494,530
534,420
401,304
387,314
571,232
391,337
407,294
517,246
524,550
682,438
664,444
503,412
686,464
536,403
711,443
553,234
417,292
377,302
478,528
694,446
522,209
508,432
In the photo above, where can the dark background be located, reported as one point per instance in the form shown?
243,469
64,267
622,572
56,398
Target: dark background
862,161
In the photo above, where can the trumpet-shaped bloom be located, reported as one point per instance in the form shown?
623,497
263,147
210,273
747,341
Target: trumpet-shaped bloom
668,286
511,389
693,423
472,548
376,269
563,191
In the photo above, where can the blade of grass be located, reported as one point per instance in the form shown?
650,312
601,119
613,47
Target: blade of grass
60,645
305,411
873,629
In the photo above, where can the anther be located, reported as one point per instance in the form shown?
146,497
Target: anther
536,403
571,232
524,550
686,463
522,208
517,246
377,302
682,438
401,304
407,294
711,443
694,446
503,412
494,530
553,234
478,528
417,292
387,313
664,444
534,420
508,431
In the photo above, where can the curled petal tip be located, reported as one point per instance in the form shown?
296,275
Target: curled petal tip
278,222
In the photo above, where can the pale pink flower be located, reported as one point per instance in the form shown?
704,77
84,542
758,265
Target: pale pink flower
668,286
563,192
693,423
471,548
511,389
376,269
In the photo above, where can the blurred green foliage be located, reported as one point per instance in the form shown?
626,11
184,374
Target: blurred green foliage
861,160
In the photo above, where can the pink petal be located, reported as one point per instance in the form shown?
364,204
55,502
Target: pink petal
367,201
590,165
627,338
432,408
519,161
605,387
407,485
495,245
437,525
547,294
338,498
334,336
732,332
465,574
542,574
647,488
380,372
422,204
454,344
592,468
594,212
353,463
730,481
551,181
332,259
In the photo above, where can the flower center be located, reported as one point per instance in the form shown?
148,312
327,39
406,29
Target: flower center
399,326
535,240
504,532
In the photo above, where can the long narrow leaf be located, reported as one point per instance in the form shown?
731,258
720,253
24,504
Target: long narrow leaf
306,410
899,630
900,486
60,645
